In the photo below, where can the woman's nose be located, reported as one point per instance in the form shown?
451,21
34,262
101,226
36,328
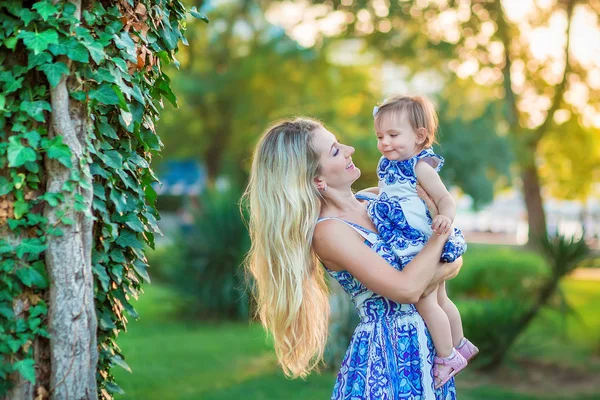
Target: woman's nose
349,150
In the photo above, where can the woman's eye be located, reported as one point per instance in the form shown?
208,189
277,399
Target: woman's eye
335,153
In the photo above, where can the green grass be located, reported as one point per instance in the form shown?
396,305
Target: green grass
172,359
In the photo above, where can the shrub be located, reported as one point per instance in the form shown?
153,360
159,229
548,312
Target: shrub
206,265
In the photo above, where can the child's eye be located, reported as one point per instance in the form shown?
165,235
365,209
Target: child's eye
394,135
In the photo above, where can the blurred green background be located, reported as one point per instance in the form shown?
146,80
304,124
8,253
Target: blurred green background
517,88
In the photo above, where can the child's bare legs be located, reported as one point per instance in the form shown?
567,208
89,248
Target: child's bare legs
453,314
437,323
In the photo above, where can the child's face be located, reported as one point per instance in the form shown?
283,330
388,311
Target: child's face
396,138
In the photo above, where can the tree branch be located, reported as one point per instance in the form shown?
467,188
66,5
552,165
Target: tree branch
560,88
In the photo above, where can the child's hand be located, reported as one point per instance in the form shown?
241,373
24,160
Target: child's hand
441,224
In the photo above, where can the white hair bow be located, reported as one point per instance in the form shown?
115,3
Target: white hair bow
375,111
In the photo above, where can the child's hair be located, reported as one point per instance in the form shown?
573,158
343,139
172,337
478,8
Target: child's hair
418,109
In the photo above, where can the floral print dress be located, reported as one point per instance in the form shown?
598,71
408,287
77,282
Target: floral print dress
390,356
401,216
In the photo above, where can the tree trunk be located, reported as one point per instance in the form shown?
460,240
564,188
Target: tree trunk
72,315
534,204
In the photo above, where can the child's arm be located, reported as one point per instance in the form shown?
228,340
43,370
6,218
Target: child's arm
433,185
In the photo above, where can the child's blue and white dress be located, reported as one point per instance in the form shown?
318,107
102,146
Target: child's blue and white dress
399,212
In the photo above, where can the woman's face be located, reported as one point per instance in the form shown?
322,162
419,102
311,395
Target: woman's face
337,168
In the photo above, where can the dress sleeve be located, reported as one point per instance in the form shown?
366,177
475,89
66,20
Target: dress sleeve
435,160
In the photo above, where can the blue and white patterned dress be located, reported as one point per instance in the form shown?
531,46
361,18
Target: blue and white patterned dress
401,216
390,355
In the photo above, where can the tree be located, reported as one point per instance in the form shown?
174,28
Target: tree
244,74
542,85
81,85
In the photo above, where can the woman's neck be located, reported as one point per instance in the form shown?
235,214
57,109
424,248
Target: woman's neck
339,204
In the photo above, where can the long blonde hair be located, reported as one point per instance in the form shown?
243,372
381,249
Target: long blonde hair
289,285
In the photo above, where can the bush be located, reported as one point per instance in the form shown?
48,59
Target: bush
205,262
491,272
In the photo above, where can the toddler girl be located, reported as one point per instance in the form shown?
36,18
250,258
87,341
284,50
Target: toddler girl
406,128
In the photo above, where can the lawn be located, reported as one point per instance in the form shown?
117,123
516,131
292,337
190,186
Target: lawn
172,359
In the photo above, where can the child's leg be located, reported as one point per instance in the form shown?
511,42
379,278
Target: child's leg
437,323
453,314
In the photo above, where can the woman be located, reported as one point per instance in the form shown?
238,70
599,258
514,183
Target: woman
302,210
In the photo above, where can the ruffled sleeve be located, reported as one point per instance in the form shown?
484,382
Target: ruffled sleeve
429,156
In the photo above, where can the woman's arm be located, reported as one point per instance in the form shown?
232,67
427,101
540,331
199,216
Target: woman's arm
340,248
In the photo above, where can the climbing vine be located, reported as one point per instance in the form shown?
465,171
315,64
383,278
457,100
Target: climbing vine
113,53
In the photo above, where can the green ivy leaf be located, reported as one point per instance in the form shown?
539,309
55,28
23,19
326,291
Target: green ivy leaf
6,311
118,360
78,52
102,276
19,154
11,42
30,277
112,158
195,13
54,72
113,388
20,208
35,109
45,9
26,368
33,137
128,239
27,15
13,85
31,246
39,41
105,94
141,268
96,51
134,223
2,101
57,150
5,186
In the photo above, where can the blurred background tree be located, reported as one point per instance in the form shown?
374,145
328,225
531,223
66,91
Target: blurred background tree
523,54
516,115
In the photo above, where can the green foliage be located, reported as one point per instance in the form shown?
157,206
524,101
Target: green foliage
238,81
206,267
490,273
494,290
121,91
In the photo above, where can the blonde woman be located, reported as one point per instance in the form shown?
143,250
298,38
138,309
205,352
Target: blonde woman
302,210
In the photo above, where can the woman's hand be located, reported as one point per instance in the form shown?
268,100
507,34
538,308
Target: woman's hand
445,272
433,210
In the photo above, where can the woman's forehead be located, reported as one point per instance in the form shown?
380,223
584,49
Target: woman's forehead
323,139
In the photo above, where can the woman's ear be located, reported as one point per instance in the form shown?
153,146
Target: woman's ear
321,184
421,136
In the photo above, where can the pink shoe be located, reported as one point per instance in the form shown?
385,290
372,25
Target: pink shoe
445,368
467,349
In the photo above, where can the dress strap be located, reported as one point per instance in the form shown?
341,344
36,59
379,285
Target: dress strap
368,235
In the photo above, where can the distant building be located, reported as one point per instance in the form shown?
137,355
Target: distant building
178,178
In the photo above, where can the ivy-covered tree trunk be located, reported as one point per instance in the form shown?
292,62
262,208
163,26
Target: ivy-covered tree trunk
81,86
72,316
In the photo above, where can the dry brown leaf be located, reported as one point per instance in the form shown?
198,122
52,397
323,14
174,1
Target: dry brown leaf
42,393
140,9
